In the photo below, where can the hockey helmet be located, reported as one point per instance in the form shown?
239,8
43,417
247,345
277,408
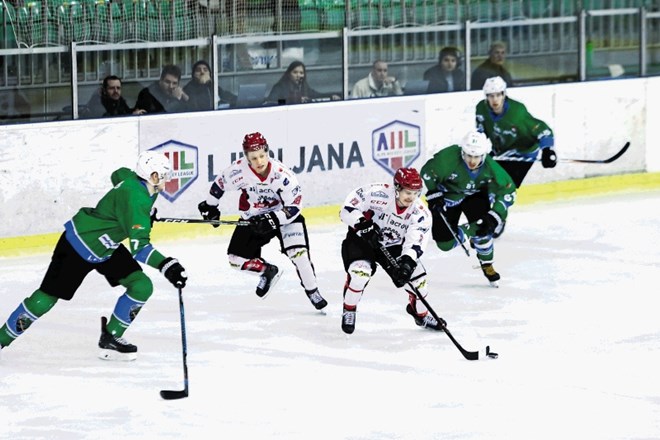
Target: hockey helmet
153,162
407,178
494,85
476,144
254,142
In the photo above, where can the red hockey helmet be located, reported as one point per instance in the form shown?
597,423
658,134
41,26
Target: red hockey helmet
254,142
408,178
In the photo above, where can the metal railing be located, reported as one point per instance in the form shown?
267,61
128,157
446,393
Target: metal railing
541,50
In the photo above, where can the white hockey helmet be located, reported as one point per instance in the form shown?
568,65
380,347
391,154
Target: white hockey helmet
476,144
153,162
494,84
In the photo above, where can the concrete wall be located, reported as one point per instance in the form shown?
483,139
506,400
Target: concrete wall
49,170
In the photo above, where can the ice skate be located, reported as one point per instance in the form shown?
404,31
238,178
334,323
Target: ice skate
317,300
113,348
268,279
348,321
427,320
491,274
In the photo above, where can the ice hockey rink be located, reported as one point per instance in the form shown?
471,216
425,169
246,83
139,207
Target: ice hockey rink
575,322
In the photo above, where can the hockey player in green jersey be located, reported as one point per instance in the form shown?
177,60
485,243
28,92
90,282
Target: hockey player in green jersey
516,135
92,241
464,179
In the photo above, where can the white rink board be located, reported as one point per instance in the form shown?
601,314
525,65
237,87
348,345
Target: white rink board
48,171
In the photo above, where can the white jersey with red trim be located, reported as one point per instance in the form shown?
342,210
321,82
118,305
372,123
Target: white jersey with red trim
409,227
278,192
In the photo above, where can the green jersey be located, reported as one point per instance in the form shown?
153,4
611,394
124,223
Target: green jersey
447,172
514,130
123,212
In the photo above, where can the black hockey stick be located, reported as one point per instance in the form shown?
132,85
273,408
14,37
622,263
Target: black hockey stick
444,219
469,355
198,220
173,394
592,161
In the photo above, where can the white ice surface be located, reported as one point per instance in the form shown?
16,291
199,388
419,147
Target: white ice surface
575,321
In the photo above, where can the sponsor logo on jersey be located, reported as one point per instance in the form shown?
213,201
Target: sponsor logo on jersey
185,168
235,172
380,194
137,227
395,145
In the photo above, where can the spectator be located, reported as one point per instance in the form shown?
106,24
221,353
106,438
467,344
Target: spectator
378,83
493,66
292,87
107,100
164,95
200,89
446,76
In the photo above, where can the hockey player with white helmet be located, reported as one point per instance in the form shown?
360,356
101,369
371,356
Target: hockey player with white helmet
390,216
271,200
92,240
516,135
464,179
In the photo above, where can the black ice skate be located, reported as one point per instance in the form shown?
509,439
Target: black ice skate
316,299
113,348
427,320
268,278
348,321
490,273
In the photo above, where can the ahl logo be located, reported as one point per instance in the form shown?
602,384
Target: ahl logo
183,158
396,145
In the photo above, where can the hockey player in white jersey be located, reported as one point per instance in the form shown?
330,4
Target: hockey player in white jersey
271,200
391,216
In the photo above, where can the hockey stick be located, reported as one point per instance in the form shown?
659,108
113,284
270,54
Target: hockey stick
173,394
197,220
444,219
469,355
592,161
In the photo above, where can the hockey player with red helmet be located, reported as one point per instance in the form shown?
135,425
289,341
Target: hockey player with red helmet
390,216
271,200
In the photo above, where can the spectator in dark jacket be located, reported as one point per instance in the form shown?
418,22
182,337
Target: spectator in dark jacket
165,95
200,89
292,87
446,76
493,66
108,100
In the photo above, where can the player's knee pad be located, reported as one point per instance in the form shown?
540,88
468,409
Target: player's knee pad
359,274
138,285
138,290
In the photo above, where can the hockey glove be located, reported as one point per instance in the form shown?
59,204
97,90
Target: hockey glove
369,232
436,201
209,212
174,272
548,158
488,224
264,224
406,268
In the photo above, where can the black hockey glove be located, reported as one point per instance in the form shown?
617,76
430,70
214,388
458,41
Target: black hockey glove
548,158
488,224
436,201
406,268
209,212
369,232
174,272
264,224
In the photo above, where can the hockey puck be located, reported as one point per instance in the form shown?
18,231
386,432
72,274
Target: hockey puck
491,354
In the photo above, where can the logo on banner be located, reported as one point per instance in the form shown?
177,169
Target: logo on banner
183,158
396,145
